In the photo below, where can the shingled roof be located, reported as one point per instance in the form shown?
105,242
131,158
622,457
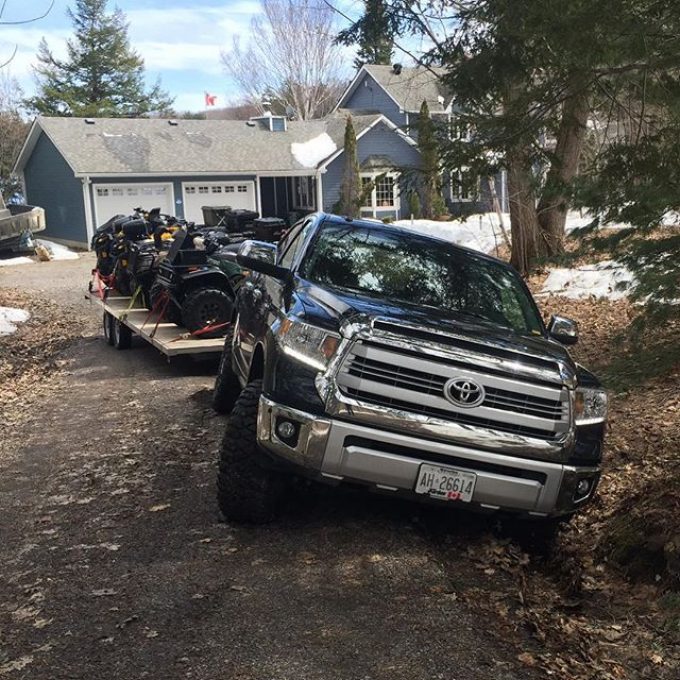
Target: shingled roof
149,145
409,86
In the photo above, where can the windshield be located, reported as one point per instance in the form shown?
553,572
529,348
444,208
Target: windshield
400,266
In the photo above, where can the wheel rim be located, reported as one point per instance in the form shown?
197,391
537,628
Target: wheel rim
210,312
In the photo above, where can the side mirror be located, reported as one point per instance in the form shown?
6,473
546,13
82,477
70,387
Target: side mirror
563,330
260,256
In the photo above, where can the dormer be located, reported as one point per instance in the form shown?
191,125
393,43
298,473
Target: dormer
268,121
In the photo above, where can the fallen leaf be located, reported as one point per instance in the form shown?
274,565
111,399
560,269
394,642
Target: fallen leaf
158,508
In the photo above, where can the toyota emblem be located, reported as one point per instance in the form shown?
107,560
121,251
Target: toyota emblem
464,392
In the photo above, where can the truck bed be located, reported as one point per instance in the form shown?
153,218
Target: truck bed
15,220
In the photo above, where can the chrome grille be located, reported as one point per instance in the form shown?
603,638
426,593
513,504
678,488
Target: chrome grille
386,375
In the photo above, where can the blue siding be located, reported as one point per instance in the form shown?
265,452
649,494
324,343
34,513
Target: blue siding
380,141
51,184
370,96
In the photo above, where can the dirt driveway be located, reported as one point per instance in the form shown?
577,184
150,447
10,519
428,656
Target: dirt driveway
115,563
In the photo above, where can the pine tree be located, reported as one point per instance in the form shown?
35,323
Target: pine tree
350,189
373,33
432,204
102,75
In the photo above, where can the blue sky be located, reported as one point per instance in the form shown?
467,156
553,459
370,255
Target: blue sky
180,40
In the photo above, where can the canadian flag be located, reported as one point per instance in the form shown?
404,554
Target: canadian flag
210,99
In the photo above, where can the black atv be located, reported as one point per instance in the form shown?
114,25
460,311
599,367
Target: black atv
192,291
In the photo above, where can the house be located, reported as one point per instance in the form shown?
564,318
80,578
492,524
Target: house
397,92
84,170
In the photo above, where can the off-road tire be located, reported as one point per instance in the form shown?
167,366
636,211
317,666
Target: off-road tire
172,312
122,335
246,491
107,324
227,387
206,307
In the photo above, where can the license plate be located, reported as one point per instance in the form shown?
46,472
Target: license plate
445,483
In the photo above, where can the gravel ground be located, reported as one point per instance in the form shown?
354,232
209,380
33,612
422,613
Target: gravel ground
115,563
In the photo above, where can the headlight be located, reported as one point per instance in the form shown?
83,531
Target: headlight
590,406
310,345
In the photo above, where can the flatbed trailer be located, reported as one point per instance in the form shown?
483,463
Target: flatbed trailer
122,317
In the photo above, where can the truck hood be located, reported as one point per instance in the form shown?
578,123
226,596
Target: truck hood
330,309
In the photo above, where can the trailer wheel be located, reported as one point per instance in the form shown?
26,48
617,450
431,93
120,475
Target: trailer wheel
122,335
246,490
107,323
206,307
227,387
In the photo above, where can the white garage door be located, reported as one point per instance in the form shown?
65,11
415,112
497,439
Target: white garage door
113,199
237,195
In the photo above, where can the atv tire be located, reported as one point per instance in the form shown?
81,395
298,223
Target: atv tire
121,334
247,491
172,312
227,387
207,307
107,323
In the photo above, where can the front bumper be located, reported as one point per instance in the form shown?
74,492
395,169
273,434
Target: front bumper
336,451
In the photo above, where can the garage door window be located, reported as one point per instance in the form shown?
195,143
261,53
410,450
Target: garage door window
203,190
116,192
243,188
216,190
102,192
228,190
191,190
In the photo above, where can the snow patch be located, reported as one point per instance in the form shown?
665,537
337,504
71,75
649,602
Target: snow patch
478,232
601,280
309,154
9,317
10,261
58,251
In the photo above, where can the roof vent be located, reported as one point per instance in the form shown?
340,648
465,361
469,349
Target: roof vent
89,121
173,122
396,69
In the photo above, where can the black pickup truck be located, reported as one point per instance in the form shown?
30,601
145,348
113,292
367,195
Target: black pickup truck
373,355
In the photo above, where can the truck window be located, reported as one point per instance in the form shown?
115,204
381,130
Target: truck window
400,266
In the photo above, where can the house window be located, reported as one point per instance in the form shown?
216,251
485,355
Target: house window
304,192
460,130
464,186
102,192
383,198
384,192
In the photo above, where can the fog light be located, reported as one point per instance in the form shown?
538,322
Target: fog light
285,429
582,488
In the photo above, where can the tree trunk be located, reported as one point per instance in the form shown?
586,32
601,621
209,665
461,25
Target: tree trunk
554,203
523,217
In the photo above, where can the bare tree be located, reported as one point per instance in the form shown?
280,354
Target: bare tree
291,58
12,132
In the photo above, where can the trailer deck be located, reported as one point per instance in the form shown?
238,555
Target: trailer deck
169,338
